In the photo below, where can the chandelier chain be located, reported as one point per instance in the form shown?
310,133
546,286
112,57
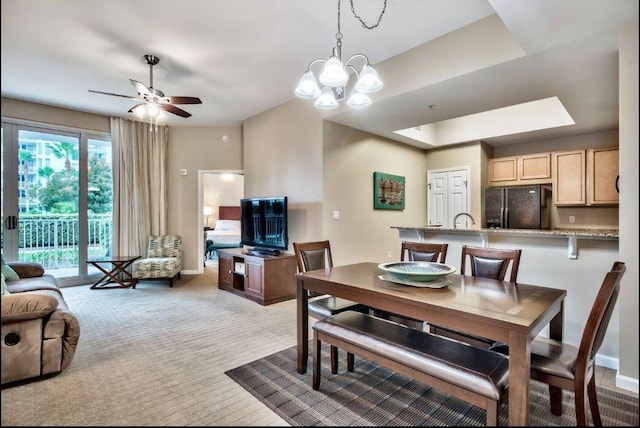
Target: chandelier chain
364,24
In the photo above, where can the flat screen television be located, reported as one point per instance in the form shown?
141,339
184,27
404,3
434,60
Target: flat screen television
263,225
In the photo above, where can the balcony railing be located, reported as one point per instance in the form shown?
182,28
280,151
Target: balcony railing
53,241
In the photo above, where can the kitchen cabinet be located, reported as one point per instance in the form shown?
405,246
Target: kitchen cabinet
569,178
263,279
602,176
585,177
520,170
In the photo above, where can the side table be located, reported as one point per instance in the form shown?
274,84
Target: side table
120,265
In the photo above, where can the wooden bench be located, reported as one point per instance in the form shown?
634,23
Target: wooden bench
475,375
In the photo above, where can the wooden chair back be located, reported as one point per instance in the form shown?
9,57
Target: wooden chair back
583,369
599,318
423,251
491,262
313,255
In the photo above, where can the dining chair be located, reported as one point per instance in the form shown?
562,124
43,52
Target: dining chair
317,255
572,368
485,263
423,251
415,251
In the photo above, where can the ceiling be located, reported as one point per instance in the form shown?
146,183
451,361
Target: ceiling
243,57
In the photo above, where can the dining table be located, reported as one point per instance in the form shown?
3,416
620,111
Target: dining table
513,313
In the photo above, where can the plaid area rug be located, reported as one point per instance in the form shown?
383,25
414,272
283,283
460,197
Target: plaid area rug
375,396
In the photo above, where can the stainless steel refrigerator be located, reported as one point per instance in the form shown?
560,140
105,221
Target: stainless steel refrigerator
518,207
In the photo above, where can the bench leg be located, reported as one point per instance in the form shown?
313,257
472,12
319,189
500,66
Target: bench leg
334,359
316,361
350,361
493,408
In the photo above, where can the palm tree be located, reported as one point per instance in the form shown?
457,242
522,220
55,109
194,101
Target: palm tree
66,151
46,173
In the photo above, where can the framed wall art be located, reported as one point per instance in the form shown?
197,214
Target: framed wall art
388,191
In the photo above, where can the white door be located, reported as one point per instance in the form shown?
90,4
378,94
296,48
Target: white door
447,196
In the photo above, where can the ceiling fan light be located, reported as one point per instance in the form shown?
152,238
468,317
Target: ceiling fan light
139,110
333,74
326,100
368,82
308,86
153,110
358,99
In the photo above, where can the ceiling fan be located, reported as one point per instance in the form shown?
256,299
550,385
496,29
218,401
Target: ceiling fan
154,99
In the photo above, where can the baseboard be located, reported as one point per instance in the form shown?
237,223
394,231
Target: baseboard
608,362
627,383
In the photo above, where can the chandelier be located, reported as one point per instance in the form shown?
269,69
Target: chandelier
335,75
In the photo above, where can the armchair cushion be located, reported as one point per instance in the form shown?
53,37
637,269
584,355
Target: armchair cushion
26,306
9,273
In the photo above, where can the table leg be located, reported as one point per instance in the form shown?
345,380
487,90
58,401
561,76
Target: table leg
303,327
556,332
112,275
519,382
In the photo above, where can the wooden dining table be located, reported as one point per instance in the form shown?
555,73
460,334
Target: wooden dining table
509,312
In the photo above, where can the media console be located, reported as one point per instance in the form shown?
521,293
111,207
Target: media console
263,278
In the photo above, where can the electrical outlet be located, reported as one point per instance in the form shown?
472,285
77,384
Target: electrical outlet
572,219
336,215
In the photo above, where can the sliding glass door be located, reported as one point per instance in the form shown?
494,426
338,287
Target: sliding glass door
56,198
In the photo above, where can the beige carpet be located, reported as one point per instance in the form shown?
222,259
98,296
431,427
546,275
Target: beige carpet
157,356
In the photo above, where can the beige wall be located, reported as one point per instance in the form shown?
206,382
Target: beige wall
56,116
283,157
196,148
350,158
629,214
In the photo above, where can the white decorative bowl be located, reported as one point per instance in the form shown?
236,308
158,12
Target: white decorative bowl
417,271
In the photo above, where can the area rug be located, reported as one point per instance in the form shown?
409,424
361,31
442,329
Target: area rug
375,396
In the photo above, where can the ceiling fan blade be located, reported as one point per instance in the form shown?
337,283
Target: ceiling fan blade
181,100
115,95
175,110
135,106
140,87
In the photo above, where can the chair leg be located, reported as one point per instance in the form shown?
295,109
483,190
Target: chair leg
334,359
593,402
134,282
580,392
350,361
316,361
555,399
171,282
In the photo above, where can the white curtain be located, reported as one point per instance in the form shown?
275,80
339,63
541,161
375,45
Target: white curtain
139,183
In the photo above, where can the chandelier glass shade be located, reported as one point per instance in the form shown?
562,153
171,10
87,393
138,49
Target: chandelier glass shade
334,77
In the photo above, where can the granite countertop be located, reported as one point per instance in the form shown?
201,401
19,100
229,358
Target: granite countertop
579,233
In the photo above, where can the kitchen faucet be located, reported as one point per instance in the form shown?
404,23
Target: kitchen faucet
458,215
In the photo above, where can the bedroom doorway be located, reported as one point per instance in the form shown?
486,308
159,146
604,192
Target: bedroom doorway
218,188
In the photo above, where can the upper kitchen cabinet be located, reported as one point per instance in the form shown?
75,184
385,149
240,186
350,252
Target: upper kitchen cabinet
602,176
585,177
568,170
520,170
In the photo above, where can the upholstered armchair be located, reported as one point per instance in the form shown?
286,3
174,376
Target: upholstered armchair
163,261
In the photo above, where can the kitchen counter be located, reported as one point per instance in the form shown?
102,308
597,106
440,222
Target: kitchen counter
557,233
572,235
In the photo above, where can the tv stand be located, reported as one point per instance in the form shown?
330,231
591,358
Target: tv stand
263,279
256,251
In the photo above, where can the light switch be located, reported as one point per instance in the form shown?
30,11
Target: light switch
183,171
336,215
572,219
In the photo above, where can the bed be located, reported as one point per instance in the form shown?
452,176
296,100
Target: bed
226,234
